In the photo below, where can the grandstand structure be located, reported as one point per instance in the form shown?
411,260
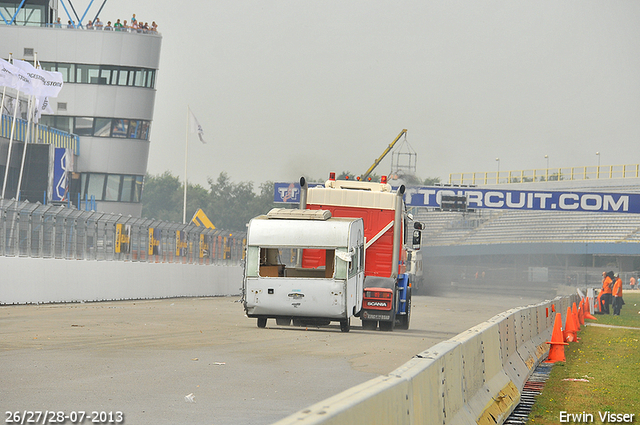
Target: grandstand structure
504,247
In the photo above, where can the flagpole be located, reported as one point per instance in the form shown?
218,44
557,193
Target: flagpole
13,126
4,90
32,101
186,153
26,140
4,182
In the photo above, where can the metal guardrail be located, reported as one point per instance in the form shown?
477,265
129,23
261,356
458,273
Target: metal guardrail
39,134
547,174
50,231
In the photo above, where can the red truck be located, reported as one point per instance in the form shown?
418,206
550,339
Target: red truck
387,289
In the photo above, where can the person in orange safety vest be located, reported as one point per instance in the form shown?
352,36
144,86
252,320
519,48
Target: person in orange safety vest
617,295
598,307
605,299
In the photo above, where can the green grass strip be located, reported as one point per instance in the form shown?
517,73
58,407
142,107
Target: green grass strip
609,359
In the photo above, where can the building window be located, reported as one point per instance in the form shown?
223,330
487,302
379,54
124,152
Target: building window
103,74
95,186
60,122
127,188
120,128
123,77
144,130
48,66
99,127
83,126
133,129
68,72
30,14
111,187
137,188
103,127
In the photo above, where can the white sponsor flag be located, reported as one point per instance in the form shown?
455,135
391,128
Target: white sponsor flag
43,106
46,83
196,127
3,78
16,78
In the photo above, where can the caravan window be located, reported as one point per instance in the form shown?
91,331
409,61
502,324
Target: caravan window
318,263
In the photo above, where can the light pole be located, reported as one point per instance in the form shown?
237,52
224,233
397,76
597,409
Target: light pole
498,174
546,172
598,169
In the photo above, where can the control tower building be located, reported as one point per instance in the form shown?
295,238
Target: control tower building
107,99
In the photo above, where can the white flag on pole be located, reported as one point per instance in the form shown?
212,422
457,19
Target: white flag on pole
196,127
46,83
43,106
16,78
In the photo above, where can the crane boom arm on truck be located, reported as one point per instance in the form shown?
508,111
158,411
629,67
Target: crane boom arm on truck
386,151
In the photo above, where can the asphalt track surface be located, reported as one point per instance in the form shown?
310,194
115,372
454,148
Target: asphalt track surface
143,358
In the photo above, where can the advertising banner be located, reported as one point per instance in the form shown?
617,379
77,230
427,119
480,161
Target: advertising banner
155,236
181,243
204,246
538,200
289,192
123,238
502,199
61,169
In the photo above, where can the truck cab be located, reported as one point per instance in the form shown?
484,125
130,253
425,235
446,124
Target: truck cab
304,266
387,289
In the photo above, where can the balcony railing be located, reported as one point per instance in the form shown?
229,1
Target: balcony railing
39,134
547,175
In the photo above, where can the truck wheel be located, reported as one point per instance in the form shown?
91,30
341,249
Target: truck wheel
369,325
345,325
262,322
283,321
403,321
387,326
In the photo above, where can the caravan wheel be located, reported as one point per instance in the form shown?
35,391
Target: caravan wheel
345,325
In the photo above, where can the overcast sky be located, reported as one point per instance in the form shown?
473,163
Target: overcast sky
290,88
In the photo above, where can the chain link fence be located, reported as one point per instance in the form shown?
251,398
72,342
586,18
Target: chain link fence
51,231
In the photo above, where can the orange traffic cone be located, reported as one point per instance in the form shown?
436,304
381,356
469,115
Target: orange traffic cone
556,352
581,312
574,312
587,312
570,329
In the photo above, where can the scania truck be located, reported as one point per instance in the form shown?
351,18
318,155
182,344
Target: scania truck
386,298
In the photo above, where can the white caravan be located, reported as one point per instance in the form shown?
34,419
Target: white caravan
305,266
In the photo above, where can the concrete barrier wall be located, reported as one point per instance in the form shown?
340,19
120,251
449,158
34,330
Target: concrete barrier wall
475,377
36,280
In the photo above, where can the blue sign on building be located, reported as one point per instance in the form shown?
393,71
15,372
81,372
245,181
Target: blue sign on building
538,200
61,167
289,193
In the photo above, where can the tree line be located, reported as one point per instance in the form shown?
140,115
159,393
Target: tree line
228,205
